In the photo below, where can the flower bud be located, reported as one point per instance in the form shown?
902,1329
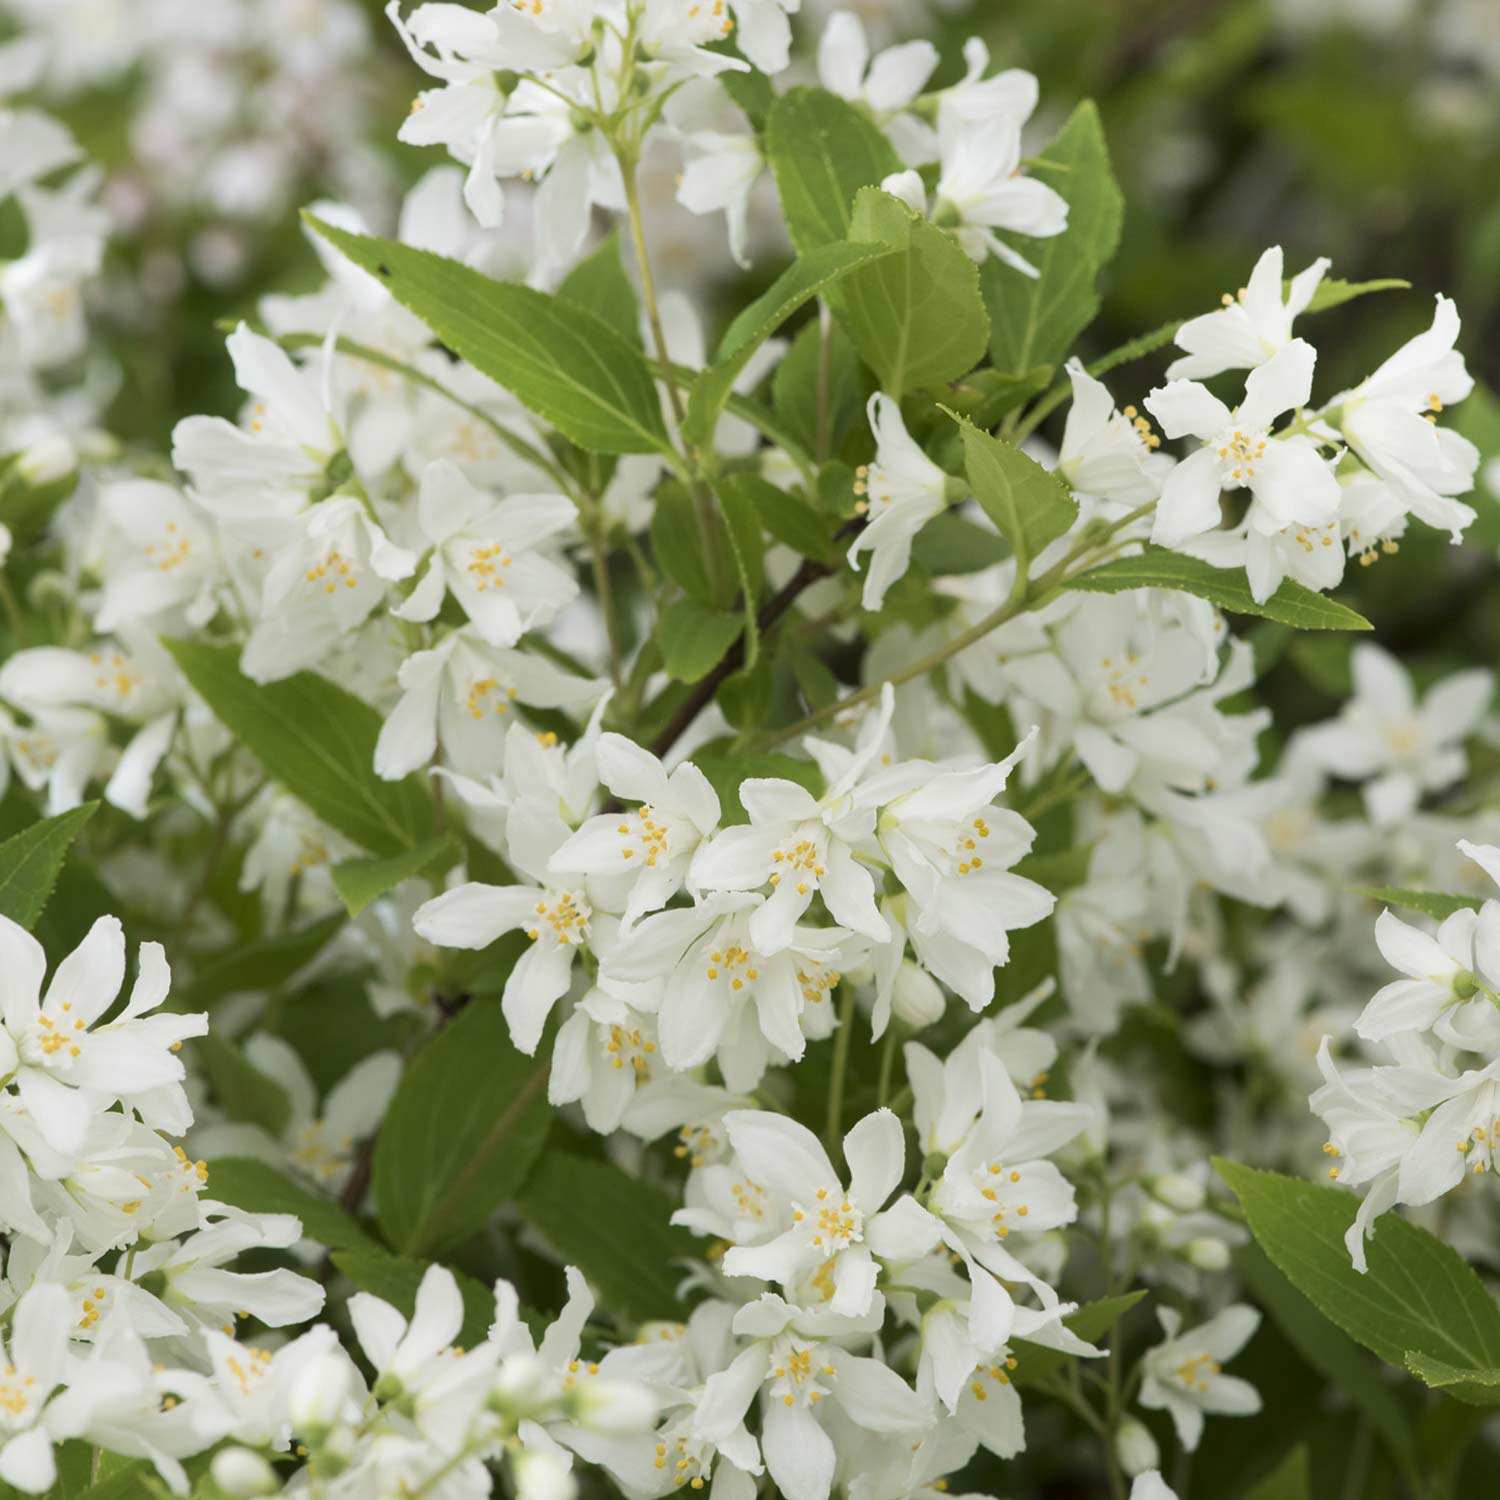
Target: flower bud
47,461
1207,1253
1177,1192
616,1407
319,1394
541,1475
240,1473
5,541
524,1385
916,997
1135,1447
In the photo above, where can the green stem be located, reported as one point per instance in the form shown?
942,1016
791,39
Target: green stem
833,1128
887,1062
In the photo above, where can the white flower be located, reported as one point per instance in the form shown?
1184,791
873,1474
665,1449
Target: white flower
952,848
1289,482
327,575
765,34
1106,452
486,554
452,694
285,454
981,188
34,1365
1249,328
1398,748
802,846
1390,421
720,174
1184,1373
723,996
66,1067
887,86
903,490
794,1358
825,1245
409,1355
554,913
173,562
653,843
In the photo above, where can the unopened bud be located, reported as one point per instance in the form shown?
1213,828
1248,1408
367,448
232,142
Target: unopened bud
334,1454
319,1394
240,1474
1177,1192
916,997
1207,1253
616,1407
523,1385
1135,1447
541,1475
47,461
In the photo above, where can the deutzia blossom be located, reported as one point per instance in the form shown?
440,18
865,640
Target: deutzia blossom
1104,451
554,912
1251,327
486,554
826,1243
795,1360
902,491
1184,1373
35,1364
655,842
1398,748
887,85
1288,480
1390,422
720,172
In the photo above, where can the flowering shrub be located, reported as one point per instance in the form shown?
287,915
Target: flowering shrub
733,912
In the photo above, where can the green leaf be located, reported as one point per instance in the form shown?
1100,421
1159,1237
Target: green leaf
694,639
1418,1298
31,861
948,545
259,1188
916,316
601,285
264,964
1289,1480
737,506
1332,292
568,1198
1035,1363
318,741
1439,1373
1432,904
461,1134
395,1279
1033,321
822,150
822,373
787,517
243,1091
1157,568
1030,506
557,358
804,279
677,548
1331,1353
361,881
136,1481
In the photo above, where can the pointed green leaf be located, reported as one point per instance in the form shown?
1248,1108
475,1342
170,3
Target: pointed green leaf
694,638
1029,505
1419,1297
467,1122
1034,320
555,357
807,277
822,150
1432,904
1156,568
31,861
318,741
1332,292
361,881
1289,1480
600,284
636,1265
1091,1322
